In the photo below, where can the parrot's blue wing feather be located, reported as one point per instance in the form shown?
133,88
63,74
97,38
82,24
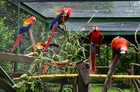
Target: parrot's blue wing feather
24,29
56,19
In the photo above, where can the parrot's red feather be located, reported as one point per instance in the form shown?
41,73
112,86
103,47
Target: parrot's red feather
16,42
45,69
95,37
93,59
51,37
116,44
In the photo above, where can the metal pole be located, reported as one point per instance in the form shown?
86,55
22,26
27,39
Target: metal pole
18,22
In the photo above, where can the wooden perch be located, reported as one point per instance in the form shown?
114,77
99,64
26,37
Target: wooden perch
30,33
110,73
16,58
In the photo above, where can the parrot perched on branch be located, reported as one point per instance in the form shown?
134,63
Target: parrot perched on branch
59,18
95,38
119,44
61,15
40,47
26,25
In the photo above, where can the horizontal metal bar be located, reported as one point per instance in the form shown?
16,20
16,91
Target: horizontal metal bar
76,75
119,32
116,32
100,19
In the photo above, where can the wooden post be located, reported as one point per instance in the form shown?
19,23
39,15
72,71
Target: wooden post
84,79
30,33
75,86
110,72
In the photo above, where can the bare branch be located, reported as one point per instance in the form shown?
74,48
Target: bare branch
133,45
135,64
119,90
136,36
88,22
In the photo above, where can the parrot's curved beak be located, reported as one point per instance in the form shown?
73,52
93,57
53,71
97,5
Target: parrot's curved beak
94,28
34,19
123,50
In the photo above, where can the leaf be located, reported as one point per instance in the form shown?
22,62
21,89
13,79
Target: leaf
32,86
18,85
23,77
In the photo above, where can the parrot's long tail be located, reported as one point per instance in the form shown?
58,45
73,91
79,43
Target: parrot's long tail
54,29
93,58
16,42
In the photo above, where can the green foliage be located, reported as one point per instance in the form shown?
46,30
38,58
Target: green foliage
5,36
103,59
104,55
28,84
71,46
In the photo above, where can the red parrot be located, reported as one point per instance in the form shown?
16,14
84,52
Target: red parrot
95,38
59,18
119,44
26,25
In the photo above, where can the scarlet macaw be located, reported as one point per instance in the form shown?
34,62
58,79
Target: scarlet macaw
95,38
41,45
119,44
40,48
26,25
59,18
61,15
